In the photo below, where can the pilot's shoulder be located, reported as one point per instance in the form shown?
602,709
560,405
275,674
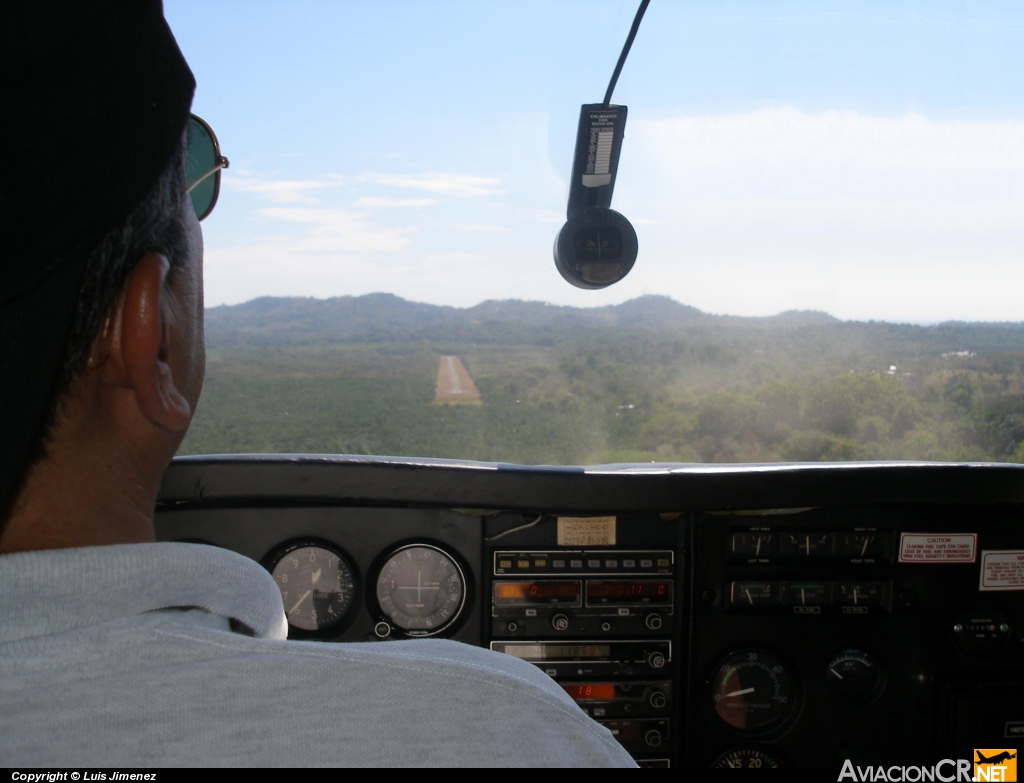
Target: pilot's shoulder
468,696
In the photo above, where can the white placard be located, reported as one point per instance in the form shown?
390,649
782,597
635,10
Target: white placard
1001,569
938,547
586,531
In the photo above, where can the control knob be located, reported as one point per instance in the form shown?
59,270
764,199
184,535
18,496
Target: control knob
657,700
560,622
656,660
653,621
652,737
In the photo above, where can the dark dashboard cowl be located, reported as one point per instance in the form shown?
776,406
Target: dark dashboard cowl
389,481
708,615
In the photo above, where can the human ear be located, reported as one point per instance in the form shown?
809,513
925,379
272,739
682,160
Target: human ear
141,342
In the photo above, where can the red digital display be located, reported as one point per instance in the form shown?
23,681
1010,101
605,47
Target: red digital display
559,592
629,592
582,692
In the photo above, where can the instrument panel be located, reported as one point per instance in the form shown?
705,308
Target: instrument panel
842,628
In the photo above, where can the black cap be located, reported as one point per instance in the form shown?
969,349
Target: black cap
97,96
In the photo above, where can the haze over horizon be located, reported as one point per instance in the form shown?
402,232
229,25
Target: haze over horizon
866,160
822,315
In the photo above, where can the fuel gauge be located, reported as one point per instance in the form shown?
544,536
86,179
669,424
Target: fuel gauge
861,546
752,545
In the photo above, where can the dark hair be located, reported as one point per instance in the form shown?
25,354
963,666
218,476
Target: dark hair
155,225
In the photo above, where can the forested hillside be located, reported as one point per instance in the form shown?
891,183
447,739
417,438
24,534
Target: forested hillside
650,379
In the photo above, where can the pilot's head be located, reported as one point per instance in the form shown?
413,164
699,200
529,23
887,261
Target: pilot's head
101,337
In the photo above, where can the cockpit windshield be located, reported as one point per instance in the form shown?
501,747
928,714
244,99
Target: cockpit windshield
827,200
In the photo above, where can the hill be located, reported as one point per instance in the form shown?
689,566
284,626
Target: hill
281,320
648,379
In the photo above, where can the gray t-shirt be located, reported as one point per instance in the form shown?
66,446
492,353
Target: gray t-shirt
124,655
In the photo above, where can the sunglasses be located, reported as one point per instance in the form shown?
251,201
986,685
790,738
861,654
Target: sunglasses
204,165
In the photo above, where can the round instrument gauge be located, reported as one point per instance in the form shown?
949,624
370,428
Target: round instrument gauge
747,758
852,675
752,690
421,589
317,585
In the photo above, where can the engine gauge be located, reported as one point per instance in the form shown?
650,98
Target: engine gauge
317,585
747,758
852,675
421,589
752,690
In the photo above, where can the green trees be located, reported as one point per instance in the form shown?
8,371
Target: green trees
596,390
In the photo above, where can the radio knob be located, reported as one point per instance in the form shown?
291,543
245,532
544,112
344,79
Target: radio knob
652,737
653,621
655,660
657,700
560,622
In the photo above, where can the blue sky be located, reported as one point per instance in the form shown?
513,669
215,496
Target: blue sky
861,158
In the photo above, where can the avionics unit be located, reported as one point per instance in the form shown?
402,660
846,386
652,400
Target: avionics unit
605,593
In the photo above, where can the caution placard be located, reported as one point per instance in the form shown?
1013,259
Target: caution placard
938,547
1002,569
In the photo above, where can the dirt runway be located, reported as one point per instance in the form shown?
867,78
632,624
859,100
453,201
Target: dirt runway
454,386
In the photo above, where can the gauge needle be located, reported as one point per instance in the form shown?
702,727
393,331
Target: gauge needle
747,591
743,692
837,674
316,575
305,595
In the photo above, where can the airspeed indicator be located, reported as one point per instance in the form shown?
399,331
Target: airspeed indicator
316,583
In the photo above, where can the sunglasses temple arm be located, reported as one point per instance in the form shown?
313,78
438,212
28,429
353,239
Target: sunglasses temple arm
221,164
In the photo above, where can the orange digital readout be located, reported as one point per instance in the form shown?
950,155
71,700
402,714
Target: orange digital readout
536,590
628,589
589,691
